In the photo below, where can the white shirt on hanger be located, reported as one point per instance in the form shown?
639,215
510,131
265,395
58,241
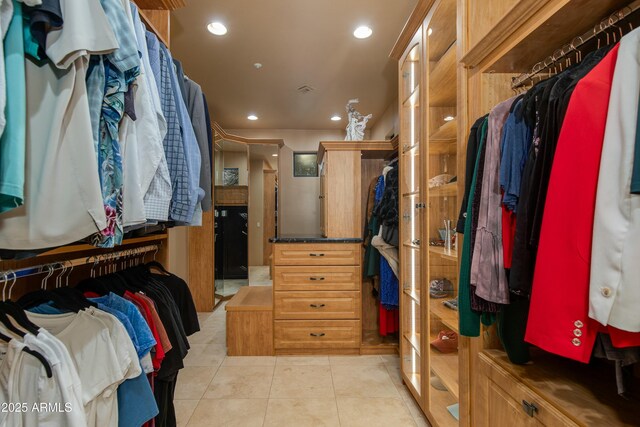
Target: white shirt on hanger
65,373
95,357
614,291
63,199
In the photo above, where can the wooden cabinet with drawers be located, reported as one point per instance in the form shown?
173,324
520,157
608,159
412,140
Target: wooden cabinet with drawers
551,391
317,297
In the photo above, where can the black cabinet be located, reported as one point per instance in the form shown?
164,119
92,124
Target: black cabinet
231,238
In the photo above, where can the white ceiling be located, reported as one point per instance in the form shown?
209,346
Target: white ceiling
299,42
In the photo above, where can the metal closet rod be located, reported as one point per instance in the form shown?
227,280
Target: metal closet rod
565,50
51,267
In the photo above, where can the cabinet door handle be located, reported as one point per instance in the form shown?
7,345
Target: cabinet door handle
316,254
416,242
529,408
316,305
321,334
316,278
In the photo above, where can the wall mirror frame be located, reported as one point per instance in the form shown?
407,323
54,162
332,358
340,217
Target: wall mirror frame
249,202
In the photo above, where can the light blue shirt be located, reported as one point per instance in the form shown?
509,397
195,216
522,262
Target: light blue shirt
13,140
191,148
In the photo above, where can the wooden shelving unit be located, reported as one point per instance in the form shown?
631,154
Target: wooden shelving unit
442,80
429,147
447,316
446,132
84,247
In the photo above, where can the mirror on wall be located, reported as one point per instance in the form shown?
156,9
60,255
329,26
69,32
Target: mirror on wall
245,213
231,213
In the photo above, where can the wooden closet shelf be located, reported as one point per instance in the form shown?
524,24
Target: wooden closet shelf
451,255
445,367
447,132
148,22
563,20
415,296
414,340
160,4
446,315
413,381
413,100
443,80
84,247
369,149
447,190
443,33
440,400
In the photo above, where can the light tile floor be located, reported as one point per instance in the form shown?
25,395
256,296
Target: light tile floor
216,390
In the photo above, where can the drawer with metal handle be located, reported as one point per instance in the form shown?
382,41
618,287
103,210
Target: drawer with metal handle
316,305
320,278
316,254
309,334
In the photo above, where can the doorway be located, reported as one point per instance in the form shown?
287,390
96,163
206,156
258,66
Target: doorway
245,213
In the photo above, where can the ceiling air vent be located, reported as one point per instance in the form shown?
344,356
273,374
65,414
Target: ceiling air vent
304,89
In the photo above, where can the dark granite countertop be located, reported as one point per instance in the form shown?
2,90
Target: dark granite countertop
313,239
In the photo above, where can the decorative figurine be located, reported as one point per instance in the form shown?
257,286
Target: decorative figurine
357,122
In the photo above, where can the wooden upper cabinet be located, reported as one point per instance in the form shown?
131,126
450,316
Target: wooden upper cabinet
160,4
484,15
341,177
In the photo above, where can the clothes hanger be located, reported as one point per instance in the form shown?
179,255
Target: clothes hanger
14,310
42,360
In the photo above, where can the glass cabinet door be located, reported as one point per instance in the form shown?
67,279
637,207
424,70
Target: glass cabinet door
442,215
412,217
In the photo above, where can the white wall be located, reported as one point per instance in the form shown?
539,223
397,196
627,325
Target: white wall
299,210
386,124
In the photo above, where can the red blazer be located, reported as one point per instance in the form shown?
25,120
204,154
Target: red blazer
559,315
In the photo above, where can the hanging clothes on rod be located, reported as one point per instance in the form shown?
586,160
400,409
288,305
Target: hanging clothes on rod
86,112
131,322
566,151
381,246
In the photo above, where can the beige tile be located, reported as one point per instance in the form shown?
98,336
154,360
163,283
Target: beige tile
373,412
241,382
193,381
208,336
302,382
205,355
390,359
414,409
303,360
302,412
249,361
396,374
363,381
184,409
355,360
229,413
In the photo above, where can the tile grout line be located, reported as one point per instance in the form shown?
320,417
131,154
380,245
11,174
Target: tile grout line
335,395
273,377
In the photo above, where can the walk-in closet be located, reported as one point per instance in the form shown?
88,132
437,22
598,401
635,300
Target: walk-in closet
341,213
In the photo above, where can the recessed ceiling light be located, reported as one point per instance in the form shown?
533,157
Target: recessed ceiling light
429,31
362,32
252,117
274,155
449,118
217,28
336,118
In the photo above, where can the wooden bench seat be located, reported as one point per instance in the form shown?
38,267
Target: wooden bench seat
250,322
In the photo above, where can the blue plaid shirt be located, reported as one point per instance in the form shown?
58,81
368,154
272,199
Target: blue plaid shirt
182,199
189,140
